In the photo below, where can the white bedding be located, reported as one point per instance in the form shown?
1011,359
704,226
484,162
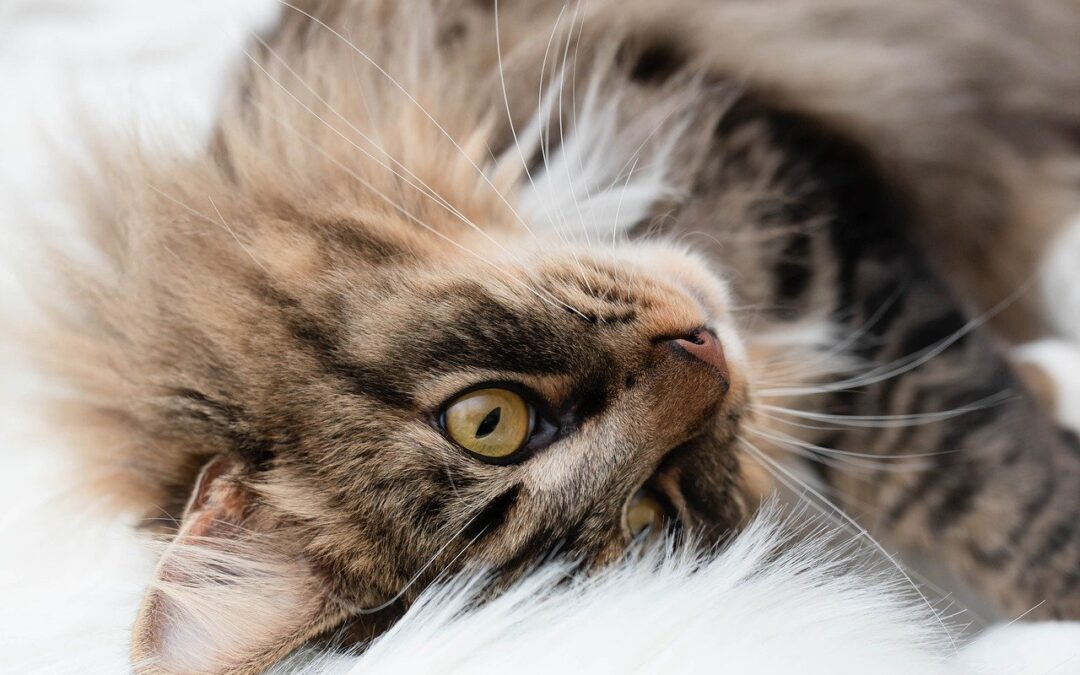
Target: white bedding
71,576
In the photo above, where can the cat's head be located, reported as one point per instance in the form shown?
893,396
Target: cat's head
347,371
366,427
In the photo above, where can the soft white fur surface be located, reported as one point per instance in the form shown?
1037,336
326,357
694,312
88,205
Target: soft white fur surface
1024,648
71,576
1062,358
1058,282
742,613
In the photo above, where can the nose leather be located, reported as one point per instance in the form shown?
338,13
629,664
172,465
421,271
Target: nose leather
704,345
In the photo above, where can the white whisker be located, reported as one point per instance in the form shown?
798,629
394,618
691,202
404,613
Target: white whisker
540,92
902,365
562,131
506,97
842,345
236,238
542,123
423,568
618,209
887,421
221,223
856,458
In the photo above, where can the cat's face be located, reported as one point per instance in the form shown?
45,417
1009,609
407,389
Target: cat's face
379,391
490,417
444,413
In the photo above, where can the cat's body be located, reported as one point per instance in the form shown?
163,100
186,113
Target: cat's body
665,228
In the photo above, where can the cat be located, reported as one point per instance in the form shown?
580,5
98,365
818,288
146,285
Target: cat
464,283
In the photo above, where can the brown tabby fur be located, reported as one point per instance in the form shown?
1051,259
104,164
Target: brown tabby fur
291,308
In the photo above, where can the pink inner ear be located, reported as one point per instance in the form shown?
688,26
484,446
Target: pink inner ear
211,472
232,592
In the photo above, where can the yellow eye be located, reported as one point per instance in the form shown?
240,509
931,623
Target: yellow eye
491,422
644,513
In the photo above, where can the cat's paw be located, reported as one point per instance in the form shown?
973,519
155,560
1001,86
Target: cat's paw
1051,369
1025,649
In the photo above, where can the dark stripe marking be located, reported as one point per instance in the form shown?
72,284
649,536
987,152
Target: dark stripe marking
792,270
493,516
322,343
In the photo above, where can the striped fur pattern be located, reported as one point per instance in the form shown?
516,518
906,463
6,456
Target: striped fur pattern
403,200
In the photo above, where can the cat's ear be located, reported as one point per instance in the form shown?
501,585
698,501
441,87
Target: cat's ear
232,592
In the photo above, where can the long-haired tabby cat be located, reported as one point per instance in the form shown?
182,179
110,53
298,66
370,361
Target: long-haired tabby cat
464,283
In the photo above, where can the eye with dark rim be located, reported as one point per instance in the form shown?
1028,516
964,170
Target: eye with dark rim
498,422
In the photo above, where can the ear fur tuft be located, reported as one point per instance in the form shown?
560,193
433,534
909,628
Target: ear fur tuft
232,592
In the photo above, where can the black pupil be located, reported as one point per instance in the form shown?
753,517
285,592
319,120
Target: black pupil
488,424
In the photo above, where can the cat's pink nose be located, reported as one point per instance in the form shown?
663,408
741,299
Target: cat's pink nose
704,345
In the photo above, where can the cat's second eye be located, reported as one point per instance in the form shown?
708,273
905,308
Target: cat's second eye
493,423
